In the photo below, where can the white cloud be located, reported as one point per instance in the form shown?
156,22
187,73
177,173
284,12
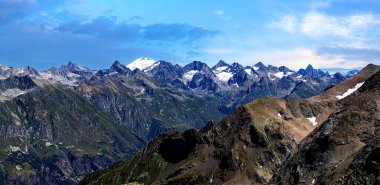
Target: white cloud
320,5
286,23
316,24
362,21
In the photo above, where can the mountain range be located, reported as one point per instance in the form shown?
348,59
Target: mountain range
60,124
330,138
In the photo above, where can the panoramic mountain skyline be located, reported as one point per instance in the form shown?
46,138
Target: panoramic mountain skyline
332,35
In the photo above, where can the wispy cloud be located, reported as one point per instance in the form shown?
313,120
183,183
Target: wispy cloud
350,40
106,27
358,54
316,24
286,23
219,12
103,27
319,5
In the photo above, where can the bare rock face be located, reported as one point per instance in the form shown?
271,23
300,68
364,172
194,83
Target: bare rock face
51,135
344,150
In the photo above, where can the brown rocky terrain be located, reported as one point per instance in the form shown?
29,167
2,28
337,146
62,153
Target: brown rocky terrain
345,149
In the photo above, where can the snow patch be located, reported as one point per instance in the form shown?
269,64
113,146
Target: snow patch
224,76
188,76
270,77
143,64
222,73
220,69
151,67
18,168
279,74
48,144
282,74
279,115
289,73
313,120
350,91
14,148
255,68
249,71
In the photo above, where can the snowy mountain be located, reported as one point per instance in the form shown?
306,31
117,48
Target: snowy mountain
222,71
351,73
316,140
144,64
6,71
197,76
85,119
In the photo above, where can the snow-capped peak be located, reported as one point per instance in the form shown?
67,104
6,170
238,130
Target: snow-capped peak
144,64
223,73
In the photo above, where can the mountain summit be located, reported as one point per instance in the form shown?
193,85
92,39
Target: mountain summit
144,64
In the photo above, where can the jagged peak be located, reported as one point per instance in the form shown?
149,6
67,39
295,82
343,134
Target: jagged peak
221,63
284,69
71,63
119,68
117,64
235,64
196,65
259,64
309,67
71,66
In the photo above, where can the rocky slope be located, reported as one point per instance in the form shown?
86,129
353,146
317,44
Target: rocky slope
147,106
296,141
345,149
55,136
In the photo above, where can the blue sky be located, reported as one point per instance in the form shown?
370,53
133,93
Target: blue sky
331,34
